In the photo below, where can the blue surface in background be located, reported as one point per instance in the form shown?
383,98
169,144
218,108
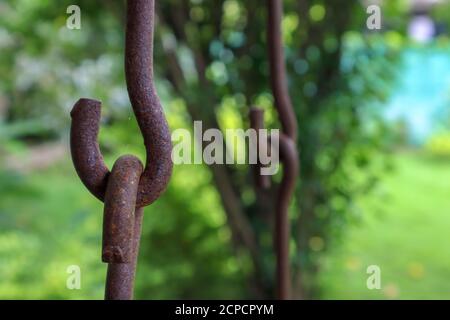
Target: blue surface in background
423,92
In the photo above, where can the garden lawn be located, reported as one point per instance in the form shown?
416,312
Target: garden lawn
405,231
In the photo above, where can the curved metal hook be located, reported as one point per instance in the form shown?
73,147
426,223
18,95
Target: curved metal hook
86,153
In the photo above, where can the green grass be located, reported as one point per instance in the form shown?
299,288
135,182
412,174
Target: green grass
405,231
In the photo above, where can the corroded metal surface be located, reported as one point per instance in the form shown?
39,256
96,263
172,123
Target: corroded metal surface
120,276
122,228
145,102
86,153
128,188
118,216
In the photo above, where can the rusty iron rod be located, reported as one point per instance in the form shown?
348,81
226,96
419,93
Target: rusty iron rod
118,217
122,228
129,187
288,149
120,276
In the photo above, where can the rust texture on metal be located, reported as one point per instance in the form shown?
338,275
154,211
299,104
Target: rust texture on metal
122,228
129,187
86,153
288,149
145,102
118,216
120,276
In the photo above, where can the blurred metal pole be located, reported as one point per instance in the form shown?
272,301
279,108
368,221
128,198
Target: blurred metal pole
288,149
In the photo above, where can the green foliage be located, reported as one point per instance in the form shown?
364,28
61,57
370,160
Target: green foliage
41,235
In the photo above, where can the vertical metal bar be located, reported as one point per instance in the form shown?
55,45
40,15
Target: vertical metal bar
122,227
120,276
288,151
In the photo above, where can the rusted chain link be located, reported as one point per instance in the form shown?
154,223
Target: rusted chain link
122,227
125,190
287,146
118,217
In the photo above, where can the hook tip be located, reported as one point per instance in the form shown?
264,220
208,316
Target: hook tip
85,103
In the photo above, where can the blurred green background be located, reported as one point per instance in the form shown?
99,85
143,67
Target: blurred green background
374,141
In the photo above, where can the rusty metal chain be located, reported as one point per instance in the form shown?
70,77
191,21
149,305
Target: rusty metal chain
129,187
287,146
